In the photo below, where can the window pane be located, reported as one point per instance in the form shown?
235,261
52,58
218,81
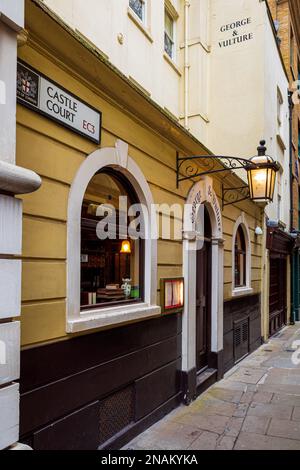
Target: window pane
169,25
138,6
240,259
168,46
169,35
110,268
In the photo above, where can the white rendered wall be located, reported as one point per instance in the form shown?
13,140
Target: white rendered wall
141,53
276,78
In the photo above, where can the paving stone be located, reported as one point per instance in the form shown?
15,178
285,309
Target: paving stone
226,443
296,414
247,397
280,388
213,423
256,424
233,385
173,436
263,397
272,411
283,377
241,410
232,396
284,428
234,427
219,408
248,375
207,441
251,441
281,398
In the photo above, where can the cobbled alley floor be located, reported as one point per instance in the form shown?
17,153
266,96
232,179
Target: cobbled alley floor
255,407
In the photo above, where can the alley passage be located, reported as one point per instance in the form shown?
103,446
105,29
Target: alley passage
256,406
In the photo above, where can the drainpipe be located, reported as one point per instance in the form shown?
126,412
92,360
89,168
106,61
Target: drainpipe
186,63
292,262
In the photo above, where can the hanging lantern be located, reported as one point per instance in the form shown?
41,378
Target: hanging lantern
261,173
126,248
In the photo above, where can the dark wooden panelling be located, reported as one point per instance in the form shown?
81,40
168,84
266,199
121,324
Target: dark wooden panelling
70,357
125,436
78,431
156,388
70,393
234,311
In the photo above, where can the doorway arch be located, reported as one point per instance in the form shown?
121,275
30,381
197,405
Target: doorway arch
202,193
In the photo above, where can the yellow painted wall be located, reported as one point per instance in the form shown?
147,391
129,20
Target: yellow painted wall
56,154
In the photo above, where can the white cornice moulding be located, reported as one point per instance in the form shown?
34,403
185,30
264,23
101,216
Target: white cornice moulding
17,180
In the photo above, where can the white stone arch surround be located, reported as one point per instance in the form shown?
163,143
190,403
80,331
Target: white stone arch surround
247,289
202,193
117,158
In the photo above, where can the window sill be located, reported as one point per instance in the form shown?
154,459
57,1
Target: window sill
111,317
240,291
139,24
172,64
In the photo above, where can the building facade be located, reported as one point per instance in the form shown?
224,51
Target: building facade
106,348
286,18
129,363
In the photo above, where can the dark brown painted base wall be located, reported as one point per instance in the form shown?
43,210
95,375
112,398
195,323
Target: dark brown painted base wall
242,328
101,389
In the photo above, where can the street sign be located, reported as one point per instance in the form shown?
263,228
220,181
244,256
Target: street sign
46,97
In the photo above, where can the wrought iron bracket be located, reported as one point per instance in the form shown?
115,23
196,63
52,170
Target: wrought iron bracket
234,195
188,168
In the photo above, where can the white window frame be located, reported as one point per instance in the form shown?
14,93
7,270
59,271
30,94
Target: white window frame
171,11
173,39
145,12
246,289
78,320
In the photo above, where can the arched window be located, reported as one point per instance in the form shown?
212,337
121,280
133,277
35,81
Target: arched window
240,257
111,261
97,265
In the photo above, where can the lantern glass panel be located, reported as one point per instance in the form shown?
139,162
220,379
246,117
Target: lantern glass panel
258,179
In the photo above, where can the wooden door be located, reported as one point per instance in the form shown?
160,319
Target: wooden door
203,300
278,295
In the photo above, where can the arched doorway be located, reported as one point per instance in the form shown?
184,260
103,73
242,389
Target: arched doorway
202,328
203,298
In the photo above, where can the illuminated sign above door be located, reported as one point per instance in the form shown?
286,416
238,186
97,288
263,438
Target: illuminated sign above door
49,99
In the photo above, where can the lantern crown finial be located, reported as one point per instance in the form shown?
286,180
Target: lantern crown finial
262,148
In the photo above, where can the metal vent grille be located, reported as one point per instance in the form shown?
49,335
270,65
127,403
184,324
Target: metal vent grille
245,330
241,339
237,337
116,413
